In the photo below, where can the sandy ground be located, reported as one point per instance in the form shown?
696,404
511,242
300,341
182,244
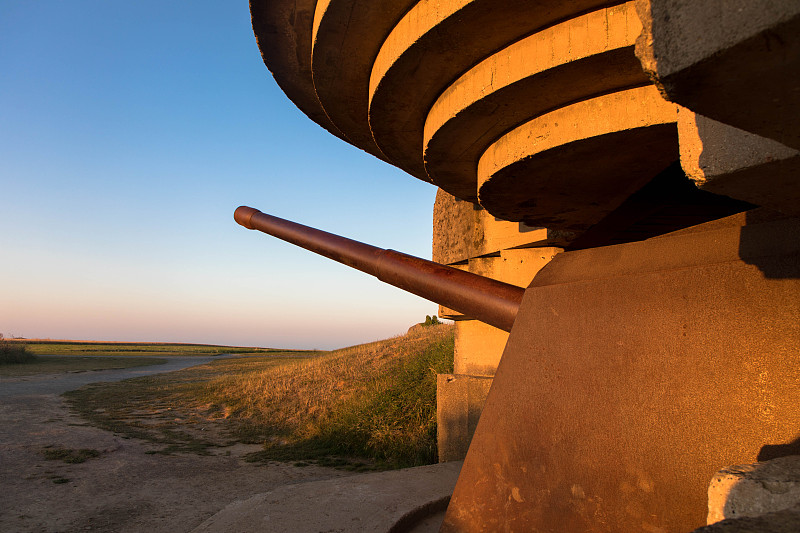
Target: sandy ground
125,489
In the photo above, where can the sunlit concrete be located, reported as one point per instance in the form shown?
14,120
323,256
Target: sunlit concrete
342,60
433,44
584,56
633,373
568,168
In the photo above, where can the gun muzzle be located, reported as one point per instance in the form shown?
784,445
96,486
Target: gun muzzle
485,299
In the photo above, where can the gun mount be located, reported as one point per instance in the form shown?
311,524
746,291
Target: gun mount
485,299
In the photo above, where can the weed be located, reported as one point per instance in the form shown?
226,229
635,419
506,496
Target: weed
14,353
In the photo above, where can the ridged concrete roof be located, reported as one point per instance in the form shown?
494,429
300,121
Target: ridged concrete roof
539,110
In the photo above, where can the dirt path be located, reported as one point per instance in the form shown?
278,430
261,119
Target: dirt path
125,489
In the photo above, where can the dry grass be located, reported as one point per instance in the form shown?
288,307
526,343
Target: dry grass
374,401
297,393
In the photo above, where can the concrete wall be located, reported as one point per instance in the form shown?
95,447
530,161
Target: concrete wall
467,237
633,373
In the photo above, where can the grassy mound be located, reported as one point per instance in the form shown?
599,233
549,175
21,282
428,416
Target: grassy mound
386,413
364,407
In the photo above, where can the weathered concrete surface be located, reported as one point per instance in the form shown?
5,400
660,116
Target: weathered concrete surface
283,32
729,161
569,168
346,37
736,62
633,373
786,521
516,266
432,45
478,348
462,230
368,503
583,56
463,233
459,402
754,489
457,229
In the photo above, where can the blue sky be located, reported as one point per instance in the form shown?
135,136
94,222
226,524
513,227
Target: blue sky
129,133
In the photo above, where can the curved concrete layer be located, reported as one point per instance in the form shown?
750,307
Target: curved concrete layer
589,55
432,46
283,33
342,59
569,168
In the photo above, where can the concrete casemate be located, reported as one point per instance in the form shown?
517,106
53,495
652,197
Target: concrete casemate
640,363
633,373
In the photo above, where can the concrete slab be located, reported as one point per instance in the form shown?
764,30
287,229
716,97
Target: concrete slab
726,160
583,56
569,168
431,46
735,61
754,489
397,500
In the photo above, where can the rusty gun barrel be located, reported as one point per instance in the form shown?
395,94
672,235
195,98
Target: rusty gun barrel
484,299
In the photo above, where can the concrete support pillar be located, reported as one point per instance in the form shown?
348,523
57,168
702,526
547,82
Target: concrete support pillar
466,237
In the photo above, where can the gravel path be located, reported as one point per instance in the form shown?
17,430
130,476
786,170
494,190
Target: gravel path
125,489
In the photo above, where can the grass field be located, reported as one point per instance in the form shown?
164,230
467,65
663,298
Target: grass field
22,357
370,406
136,349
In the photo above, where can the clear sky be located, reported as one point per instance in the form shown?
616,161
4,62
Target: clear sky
129,133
